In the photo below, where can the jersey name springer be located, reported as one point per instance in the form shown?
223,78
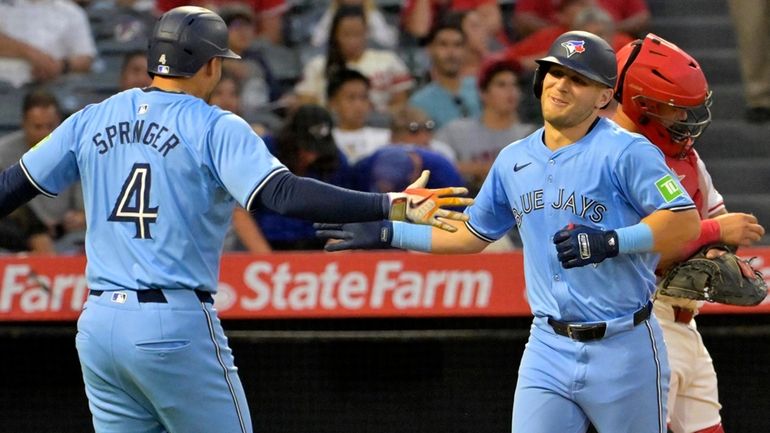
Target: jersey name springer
156,136
533,201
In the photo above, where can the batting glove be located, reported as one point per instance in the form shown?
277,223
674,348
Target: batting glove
356,236
579,245
420,205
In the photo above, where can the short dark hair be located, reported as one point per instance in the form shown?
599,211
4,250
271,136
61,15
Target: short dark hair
130,55
452,21
234,11
39,98
342,76
495,66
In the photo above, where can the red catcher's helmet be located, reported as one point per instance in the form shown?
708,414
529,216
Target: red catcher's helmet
654,72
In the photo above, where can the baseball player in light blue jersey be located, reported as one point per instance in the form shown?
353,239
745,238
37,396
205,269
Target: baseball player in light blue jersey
161,171
595,205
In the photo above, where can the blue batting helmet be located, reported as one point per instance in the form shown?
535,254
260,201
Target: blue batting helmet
583,52
184,39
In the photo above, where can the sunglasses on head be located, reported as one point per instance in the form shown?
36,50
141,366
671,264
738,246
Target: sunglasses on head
415,127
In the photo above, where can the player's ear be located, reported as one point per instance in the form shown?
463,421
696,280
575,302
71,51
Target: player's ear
605,97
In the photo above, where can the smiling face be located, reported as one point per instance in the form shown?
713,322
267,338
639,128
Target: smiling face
570,99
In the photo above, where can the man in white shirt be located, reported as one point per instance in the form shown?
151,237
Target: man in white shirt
43,39
348,94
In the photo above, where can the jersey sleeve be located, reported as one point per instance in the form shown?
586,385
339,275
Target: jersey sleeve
51,165
715,204
239,158
647,182
490,215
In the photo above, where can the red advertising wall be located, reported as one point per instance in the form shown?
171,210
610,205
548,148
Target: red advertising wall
317,285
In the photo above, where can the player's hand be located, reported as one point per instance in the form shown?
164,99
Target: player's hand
420,205
372,235
739,229
579,245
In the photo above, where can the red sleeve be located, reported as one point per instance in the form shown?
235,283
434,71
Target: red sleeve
620,40
166,5
621,10
542,8
633,7
462,5
536,43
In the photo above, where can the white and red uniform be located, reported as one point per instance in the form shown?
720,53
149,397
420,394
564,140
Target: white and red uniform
693,400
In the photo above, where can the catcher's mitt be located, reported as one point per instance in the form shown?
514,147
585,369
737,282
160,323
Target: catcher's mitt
726,279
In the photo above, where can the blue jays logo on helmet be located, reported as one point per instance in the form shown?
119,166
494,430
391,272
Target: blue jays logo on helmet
574,47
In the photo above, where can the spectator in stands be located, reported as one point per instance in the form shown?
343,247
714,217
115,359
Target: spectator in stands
133,71
411,126
255,79
751,19
380,32
481,43
630,16
477,141
573,15
22,231
390,79
63,215
348,94
306,146
397,166
420,17
268,14
449,95
42,40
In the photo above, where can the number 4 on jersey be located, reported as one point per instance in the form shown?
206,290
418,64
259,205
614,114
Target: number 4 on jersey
133,204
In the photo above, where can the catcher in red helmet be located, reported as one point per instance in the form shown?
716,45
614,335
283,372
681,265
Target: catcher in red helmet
663,95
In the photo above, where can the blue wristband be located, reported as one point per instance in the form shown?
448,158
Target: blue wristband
412,236
635,239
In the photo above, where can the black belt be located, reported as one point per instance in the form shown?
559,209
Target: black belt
593,331
157,296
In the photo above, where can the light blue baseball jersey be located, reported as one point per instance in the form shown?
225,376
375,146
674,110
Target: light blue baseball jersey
610,178
160,173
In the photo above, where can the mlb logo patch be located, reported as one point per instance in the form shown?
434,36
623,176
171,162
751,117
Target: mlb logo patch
143,109
163,69
119,297
574,47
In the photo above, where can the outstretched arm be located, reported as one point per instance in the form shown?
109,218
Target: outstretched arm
312,200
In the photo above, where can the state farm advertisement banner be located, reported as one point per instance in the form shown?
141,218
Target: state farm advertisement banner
315,285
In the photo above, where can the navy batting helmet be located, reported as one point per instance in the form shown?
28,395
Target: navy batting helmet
583,52
184,39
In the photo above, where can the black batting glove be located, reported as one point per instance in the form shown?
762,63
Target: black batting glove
375,235
579,245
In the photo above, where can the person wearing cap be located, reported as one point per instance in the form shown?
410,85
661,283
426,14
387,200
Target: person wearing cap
161,171
394,166
595,206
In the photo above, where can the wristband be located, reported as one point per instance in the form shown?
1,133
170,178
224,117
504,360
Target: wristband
412,237
710,233
635,239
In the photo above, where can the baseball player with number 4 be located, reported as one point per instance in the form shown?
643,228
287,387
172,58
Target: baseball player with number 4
595,205
664,95
161,171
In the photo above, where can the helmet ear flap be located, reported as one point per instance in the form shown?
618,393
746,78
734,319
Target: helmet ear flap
537,85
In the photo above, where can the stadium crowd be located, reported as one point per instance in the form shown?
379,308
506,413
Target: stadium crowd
357,93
